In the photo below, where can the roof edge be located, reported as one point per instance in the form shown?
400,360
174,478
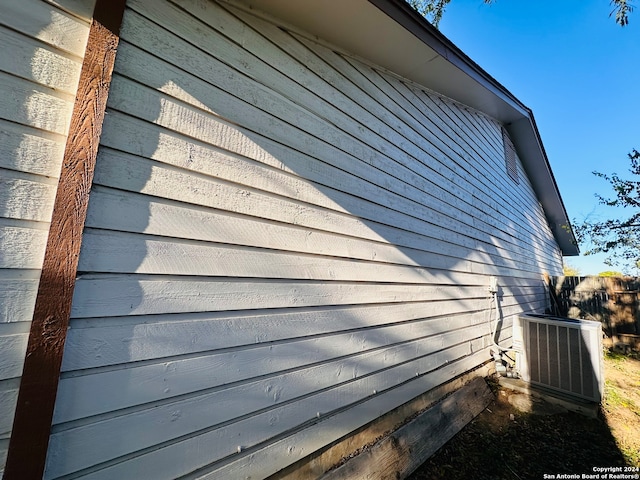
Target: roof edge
402,13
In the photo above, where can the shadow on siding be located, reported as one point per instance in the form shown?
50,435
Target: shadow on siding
195,355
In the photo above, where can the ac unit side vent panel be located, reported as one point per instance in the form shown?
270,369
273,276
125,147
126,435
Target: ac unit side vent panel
562,354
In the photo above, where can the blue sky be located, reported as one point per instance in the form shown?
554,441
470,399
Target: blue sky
580,74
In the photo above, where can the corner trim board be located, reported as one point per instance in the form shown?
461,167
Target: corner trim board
29,441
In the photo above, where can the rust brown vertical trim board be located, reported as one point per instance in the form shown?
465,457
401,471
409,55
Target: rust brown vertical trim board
39,384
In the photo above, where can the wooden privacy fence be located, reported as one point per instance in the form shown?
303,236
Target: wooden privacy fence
613,301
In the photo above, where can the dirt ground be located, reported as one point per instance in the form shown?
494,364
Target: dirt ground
503,442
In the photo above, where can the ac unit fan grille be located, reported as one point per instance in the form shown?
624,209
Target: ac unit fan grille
560,359
561,354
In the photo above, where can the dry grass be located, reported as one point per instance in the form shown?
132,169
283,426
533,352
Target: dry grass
621,407
505,443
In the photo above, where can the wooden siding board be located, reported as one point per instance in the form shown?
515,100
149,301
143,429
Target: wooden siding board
30,59
29,150
280,386
396,116
172,460
271,458
335,86
346,105
109,294
302,87
158,180
497,170
24,196
204,159
80,9
288,190
499,223
13,341
8,400
306,216
151,187
481,163
52,26
543,221
4,446
111,252
45,108
178,220
27,247
12,347
354,116
176,147
525,195
493,179
185,373
17,292
442,219
425,103
536,232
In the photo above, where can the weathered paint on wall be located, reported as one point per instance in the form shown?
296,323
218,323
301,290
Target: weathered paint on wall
277,232
283,242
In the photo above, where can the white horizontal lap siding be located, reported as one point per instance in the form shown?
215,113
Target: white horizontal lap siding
287,112
485,159
269,247
530,237
441,115
349,71
42,49
109,341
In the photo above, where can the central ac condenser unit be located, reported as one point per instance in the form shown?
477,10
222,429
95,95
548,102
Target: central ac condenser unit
561,354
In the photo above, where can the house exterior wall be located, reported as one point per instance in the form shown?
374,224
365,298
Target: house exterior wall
283,243
278,236
42,49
